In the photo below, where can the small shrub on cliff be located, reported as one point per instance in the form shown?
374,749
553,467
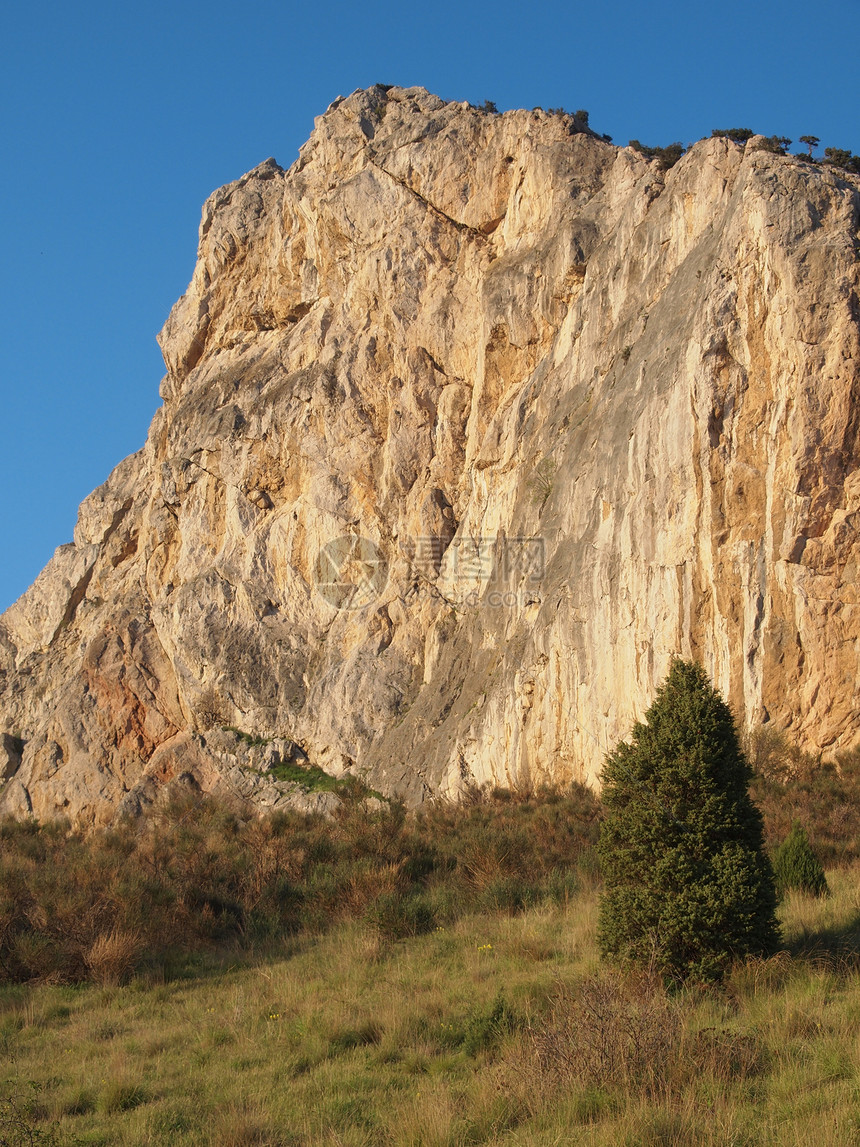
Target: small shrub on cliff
778,144
688,886
840,157
795,865
737,134
666,156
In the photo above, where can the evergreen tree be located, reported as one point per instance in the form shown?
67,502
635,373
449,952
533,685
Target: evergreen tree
778,144
688,886
795,865
738,134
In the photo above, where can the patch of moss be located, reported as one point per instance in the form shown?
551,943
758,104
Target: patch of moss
310,777
314,779
248,738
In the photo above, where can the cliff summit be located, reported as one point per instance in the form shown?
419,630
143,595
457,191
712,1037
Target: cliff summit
470,423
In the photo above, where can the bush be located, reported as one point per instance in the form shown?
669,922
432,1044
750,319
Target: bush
839,157
486,1027
199,873
395,917
22,1118
113,955
778,144
795,865
737,134
824,796
611,1030
688,886
666,156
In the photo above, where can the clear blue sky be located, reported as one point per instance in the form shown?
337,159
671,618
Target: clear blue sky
118,121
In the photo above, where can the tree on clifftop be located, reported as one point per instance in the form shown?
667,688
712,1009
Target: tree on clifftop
688,886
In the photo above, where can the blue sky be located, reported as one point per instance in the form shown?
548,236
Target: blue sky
119,120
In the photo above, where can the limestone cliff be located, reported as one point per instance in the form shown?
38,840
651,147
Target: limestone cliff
470,422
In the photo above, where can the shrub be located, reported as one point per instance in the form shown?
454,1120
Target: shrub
486,1027
688,886
112,956
737,134
611,1030
666,156
20,1119
778,144
795,865
198,872
792,785
541,481
394,917
840,157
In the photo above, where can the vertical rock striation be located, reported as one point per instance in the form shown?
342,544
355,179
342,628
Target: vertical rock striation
584,415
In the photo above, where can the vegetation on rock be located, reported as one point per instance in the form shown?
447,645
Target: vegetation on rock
841,157
666,156
737,134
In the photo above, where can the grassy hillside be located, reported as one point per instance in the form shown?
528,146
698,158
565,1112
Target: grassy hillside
496,1029
426,981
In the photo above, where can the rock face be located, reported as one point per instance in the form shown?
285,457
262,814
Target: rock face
470,423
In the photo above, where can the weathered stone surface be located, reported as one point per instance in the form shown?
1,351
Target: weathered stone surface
10,755
477,342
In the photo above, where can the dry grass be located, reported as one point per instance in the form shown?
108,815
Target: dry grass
494,1029
361,1024
196,875
112,956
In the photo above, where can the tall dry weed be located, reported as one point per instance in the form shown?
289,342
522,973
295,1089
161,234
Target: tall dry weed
624,1034
113,956
611,1030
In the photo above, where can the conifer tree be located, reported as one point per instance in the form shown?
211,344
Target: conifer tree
795,865
688,886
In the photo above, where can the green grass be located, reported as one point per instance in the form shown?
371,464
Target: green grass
493,1029
425,980
310,777
247,738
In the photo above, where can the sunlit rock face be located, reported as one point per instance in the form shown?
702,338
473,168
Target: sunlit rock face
470,423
